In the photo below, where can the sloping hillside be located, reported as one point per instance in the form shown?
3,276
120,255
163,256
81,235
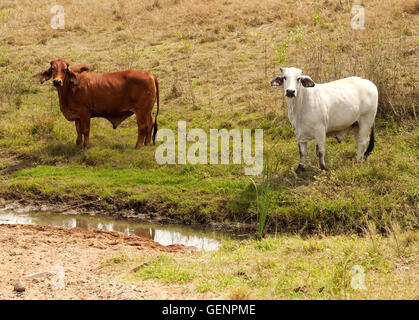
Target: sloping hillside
214,60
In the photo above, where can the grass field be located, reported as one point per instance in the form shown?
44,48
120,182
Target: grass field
287,267
214,62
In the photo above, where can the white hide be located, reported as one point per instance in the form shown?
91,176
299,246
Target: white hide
330,108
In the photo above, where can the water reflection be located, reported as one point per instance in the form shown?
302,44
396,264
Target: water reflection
163,235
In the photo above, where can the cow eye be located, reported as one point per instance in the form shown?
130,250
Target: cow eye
284,78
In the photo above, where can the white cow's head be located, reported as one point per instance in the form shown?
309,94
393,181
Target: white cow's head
292,80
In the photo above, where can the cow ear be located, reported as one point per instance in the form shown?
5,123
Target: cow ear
67,64
46,75
277,82
72,77
84,68
307,82
80,68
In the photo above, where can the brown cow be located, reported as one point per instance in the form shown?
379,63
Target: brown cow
114,96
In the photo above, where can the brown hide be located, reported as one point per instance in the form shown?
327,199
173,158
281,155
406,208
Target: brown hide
114,96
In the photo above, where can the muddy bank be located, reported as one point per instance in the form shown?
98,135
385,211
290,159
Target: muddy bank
140,212
27,249
163,234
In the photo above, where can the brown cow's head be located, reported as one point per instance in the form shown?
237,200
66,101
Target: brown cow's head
57,71
60,71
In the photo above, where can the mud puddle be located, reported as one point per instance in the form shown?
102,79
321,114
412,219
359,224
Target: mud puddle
164,235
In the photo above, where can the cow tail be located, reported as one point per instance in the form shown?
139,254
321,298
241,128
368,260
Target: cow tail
371,144
158,106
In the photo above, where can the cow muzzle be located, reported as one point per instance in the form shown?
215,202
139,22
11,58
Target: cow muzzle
57,83
290,93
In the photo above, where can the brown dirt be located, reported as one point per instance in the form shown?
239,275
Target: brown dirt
27,249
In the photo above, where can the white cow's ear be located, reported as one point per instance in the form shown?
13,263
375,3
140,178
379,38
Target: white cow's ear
306,81
278,81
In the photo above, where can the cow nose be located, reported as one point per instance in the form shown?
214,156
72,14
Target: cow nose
290,93
57,83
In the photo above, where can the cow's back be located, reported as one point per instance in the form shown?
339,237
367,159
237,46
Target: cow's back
348,99
110,94
360,90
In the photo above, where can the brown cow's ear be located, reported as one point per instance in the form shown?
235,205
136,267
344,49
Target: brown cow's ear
80,68
72,77
66,63
83,68
46,75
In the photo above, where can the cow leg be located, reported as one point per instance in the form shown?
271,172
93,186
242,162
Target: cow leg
85,129
149,129
79,136
321,149
302,147
362,135
142,130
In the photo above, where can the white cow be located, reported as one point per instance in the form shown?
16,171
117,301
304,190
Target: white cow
333,109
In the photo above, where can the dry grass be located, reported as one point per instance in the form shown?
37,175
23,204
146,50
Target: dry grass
236,36
288,268
411,6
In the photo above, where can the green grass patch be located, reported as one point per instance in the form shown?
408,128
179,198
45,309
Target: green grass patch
292,267
213,76
165,269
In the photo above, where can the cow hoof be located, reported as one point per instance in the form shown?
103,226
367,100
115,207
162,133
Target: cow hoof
324,168
300,169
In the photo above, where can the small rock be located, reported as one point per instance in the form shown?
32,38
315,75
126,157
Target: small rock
19,287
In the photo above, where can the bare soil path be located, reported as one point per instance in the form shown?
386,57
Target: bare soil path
27,249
